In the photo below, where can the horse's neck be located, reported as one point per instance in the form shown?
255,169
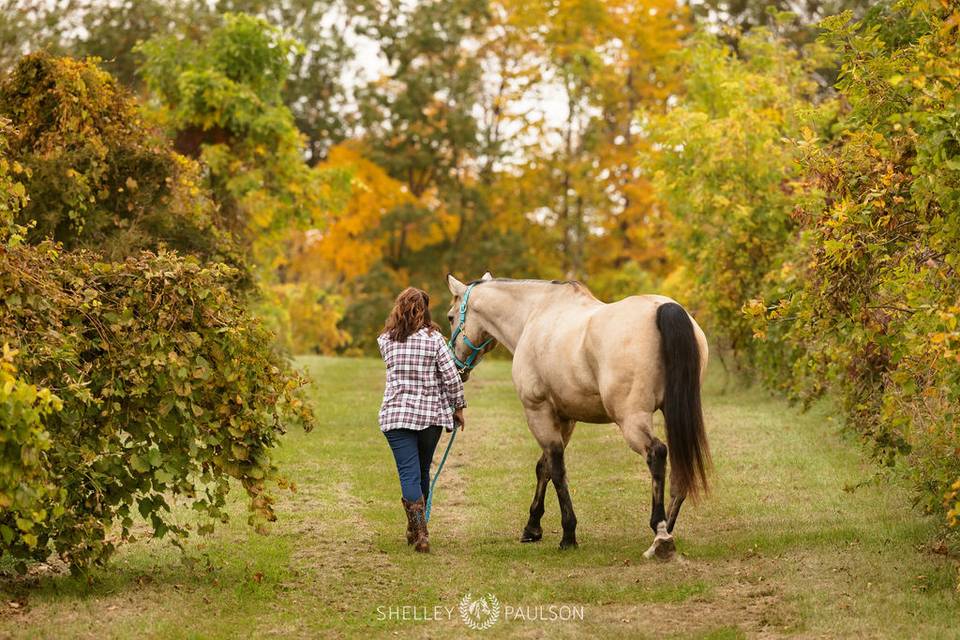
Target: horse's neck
507,308
501,314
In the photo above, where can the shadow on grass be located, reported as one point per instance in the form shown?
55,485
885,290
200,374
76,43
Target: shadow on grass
161,570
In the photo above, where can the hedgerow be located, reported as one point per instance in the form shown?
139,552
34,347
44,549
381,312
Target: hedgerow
168,389
829,227
125,386
876,305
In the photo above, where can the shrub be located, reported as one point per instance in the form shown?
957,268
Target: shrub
168,389
730,178
876,301
28,499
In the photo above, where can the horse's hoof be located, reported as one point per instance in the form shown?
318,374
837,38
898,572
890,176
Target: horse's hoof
663,548
531,535
568,544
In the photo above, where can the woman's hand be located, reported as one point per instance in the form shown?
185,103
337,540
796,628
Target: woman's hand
458,418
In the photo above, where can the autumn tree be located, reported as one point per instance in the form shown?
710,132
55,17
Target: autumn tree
348,257
315,90
580,175
421,127
221,98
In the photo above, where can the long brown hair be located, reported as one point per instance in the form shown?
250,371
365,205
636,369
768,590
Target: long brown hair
411,312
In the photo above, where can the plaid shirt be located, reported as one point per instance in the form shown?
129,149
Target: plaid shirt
423,387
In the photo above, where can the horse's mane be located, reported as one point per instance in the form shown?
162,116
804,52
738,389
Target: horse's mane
577,286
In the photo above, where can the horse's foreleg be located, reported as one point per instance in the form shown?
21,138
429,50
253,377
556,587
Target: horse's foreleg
552,434
568,519
533,532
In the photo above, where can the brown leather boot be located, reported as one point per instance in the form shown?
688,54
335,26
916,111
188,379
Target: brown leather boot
416,519
411,529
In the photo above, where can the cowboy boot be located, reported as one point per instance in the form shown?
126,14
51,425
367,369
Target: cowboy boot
411,528
417,518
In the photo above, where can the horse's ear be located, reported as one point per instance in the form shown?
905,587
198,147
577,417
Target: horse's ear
456,287
486,276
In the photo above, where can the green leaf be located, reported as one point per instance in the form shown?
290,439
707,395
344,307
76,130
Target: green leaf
139,464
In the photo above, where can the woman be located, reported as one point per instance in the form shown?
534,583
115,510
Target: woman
423,395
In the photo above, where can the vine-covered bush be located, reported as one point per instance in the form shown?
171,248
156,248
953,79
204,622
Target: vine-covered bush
830,228
27,496
97,175
877,301
168,388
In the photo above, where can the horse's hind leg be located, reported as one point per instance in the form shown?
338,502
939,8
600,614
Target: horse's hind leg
638,432
676,501
533,532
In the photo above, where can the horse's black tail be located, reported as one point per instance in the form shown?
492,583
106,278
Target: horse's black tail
686,438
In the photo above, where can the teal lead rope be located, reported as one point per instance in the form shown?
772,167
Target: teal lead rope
453,434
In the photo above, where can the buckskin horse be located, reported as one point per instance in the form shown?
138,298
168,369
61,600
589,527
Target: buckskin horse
577,359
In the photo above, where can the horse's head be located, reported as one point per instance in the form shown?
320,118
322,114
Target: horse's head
479,608
468,337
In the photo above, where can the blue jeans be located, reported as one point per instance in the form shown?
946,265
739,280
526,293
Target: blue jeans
413,451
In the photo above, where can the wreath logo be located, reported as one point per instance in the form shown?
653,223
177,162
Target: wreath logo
481,612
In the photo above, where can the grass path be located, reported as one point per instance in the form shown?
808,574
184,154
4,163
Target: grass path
780,549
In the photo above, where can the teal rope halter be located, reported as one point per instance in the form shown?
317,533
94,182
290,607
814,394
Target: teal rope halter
471,361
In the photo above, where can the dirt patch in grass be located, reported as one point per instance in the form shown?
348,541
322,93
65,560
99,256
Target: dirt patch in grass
333,543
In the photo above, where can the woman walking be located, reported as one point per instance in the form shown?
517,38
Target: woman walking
423,395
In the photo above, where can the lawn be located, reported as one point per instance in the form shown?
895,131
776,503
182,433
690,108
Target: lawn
787,544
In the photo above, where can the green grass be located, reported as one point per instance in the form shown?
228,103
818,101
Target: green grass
778,549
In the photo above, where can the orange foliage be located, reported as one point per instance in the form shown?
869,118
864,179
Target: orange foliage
351,243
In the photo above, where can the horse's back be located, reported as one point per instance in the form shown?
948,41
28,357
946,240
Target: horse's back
634,320
595,362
